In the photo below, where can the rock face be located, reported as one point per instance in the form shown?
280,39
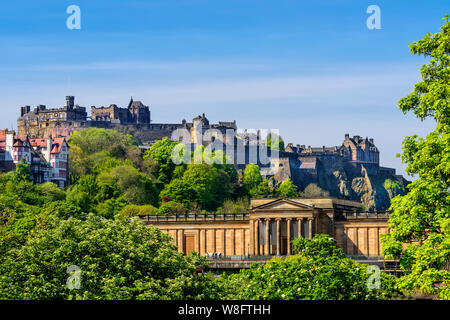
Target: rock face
350,171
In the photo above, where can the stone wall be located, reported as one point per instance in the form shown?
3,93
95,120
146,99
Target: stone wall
226,237
360,236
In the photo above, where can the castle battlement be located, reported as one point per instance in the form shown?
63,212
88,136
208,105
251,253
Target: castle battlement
43,122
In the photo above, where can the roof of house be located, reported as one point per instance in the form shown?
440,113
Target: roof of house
57,145
39,143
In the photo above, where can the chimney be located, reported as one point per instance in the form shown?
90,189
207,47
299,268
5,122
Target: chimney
9,143
371,140
347,136
24,110
48,150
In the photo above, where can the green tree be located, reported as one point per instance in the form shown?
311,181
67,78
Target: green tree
133,210
161,153
240,205
94,149
420,221
171,207
314,191
201,183
180,191
16,222
23,172
117,260
252,176
263,190
84,193
287,189
318,272
110,207
126,181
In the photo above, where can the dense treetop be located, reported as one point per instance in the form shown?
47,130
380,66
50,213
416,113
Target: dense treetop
420,221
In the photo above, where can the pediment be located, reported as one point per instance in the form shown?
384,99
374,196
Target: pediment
283,204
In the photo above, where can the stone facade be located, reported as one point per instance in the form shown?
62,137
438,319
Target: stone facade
349,171
40,122
135,119
135,113
270,225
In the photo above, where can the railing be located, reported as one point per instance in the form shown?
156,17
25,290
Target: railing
196,217
218,256
348,215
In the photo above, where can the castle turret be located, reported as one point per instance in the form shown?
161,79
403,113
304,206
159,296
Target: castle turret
70,102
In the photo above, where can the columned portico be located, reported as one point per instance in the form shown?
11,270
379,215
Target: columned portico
275,224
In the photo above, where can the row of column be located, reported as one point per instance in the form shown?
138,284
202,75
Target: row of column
266,250
236,243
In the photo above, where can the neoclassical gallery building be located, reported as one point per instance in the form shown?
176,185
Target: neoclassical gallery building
270,225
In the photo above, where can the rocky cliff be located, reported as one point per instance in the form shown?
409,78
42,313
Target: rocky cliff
372,185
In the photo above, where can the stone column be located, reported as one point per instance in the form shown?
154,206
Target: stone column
377,241
256,238
367,242
266,248
288,242
205,242
278,237
243,242
181,248
233,241
224,242
310,221
300,227
214,240
198,243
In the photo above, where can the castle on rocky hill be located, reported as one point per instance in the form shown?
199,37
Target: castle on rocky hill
349,171
43,122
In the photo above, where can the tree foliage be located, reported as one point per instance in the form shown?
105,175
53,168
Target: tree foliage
204,184
252,176
312,190
117,260
161,153
93,148
317,272
420,221
287,189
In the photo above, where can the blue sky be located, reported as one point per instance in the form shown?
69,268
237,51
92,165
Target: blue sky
311,69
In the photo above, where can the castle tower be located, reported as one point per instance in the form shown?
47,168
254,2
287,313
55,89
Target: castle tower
70,102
